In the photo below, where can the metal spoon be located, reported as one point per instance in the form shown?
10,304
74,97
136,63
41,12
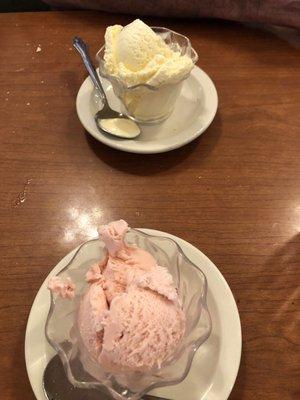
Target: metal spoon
107,120
57,386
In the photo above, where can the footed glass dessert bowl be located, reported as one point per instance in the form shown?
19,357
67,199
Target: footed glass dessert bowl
62,327
143,102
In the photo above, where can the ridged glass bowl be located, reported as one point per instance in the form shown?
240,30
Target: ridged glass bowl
63,335
146,103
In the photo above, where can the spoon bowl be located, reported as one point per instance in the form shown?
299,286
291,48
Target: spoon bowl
57,386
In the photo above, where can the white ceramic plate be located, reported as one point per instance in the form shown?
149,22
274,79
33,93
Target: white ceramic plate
215,364
194,111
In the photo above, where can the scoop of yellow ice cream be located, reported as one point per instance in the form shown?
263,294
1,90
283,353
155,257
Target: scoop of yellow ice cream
136,54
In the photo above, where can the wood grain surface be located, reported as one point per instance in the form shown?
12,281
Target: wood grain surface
234,193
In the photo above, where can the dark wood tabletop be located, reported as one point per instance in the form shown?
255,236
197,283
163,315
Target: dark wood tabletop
234,193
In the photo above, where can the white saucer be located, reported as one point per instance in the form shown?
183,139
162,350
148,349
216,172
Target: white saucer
215,365
194,111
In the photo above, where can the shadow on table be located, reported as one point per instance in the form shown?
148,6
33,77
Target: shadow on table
282,268
149,164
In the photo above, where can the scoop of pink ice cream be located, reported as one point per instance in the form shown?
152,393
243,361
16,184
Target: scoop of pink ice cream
142,330
130,318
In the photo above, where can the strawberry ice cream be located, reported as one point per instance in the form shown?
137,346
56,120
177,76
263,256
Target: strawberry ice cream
130,317
141,330
65,290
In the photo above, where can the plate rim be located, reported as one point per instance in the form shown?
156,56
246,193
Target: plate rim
184,245
118,144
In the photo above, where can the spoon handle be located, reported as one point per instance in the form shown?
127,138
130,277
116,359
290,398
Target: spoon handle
82,49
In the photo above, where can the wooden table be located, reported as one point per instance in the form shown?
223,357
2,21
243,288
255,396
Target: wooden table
234,193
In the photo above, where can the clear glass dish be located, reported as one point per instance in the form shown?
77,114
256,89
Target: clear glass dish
63,335
144,103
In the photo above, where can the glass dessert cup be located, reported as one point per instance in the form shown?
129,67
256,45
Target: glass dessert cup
145,103
63,335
